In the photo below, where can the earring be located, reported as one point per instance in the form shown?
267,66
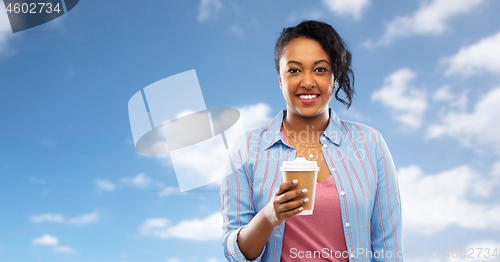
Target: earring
281,87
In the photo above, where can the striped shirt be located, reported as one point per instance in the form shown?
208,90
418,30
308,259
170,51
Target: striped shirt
358,159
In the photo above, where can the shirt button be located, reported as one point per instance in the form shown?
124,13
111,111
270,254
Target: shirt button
347,224
323,138
333,169
324,145
342,193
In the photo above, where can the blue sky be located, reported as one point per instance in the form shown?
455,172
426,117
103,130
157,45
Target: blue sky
75,189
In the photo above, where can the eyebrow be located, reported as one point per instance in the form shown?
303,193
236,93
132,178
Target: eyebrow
317,62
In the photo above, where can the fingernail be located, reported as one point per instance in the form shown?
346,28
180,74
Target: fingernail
304,190
306,200
301,208
295,181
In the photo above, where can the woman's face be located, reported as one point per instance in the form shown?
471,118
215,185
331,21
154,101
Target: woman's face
305,69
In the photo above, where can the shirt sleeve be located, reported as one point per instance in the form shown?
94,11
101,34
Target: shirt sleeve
237,203
386,216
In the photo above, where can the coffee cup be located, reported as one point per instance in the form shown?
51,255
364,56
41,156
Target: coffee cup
306,172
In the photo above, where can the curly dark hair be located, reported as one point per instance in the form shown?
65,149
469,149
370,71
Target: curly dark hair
333,45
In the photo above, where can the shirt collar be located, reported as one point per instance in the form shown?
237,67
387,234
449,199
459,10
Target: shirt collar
273,135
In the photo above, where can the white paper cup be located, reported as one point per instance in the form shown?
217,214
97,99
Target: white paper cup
306,172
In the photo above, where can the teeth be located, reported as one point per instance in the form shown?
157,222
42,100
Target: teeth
307,97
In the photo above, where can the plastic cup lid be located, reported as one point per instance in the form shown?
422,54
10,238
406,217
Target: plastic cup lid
299,164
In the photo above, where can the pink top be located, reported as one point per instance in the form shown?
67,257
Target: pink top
322,231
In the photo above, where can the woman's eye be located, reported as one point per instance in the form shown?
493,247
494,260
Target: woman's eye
293,70
321,69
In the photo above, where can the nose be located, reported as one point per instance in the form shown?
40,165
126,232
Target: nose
308,81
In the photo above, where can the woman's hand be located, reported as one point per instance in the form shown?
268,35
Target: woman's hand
285,203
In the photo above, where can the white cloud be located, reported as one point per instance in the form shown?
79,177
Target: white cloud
169,190
254,116
443,94
479,127
461,102
496,169
208,170
195,229
352,8
434,202
173,260
103,185
211,155
208,9
46,240
141,180
430,19
54,218
64,249
49,240
58,218
407,104
84,219
482,56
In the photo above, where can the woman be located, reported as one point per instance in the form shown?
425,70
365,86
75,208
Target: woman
357,212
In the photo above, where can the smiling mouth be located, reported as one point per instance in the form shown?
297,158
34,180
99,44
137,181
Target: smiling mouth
307,97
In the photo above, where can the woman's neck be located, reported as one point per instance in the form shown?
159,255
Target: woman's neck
306,129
